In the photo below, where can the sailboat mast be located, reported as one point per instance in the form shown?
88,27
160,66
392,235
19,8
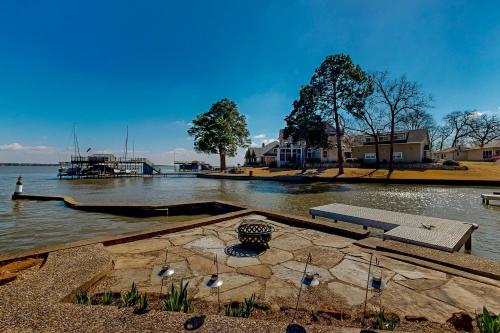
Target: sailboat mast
126,144
75,142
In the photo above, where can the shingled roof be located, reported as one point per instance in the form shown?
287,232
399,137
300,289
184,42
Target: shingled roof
416,135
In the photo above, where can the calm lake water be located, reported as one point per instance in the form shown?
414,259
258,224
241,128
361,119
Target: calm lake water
27,224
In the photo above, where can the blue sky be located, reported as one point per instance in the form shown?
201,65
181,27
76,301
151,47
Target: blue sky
154,65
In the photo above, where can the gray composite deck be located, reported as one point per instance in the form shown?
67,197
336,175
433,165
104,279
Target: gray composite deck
446,235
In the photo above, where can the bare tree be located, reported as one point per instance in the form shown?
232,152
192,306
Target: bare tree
398,96
439,134
371,121
459,124
416,119
484,129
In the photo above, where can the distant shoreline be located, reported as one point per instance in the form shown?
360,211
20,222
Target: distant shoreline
29,164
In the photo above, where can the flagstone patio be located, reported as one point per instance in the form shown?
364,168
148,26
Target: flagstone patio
275,275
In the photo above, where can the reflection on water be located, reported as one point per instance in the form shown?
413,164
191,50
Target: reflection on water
26,224
296,188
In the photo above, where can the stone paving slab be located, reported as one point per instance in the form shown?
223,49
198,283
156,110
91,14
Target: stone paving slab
275,275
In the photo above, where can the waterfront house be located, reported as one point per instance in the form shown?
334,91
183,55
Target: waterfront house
410,146
462,153
485,153
292,152
453,153
265,155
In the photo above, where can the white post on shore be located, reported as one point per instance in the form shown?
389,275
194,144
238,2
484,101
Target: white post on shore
19,185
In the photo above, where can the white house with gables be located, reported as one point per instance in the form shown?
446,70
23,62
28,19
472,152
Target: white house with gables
290,152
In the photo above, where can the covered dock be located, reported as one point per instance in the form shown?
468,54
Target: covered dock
442,234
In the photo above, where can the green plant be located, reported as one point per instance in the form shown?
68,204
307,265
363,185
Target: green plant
487,323
106,298
177,300
235,310
249,305
381,323
130,297
143,305
82,297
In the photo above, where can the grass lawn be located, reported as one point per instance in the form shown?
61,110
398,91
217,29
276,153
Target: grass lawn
476,171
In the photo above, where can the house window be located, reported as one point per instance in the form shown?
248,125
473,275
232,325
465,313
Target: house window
325,153
369,139
497,152
399,136
398,155
487,154
370,156
385,138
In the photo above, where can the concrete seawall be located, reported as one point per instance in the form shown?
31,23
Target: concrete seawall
358,180
189,208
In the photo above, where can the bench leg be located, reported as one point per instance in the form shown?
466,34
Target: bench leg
468,245
365,227
335,221
313,217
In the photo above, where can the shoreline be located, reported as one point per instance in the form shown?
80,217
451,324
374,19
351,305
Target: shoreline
358,180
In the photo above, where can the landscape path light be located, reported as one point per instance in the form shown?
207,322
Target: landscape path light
309,279
165,272
215,282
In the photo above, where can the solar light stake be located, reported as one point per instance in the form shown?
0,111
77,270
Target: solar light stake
366,294
215,281
309,279
165,272
217,273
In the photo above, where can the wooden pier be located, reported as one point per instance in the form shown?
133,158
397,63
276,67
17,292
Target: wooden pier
436,233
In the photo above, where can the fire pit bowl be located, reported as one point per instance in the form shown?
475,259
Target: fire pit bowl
255,233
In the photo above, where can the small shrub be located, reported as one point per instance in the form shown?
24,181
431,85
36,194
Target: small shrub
131,297
82,297
381,323
235,310
487,323
106,298
142,307
451,163
177,300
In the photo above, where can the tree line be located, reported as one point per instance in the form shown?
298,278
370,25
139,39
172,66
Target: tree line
341,94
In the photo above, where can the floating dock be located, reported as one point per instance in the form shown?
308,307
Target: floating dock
431,232
487,197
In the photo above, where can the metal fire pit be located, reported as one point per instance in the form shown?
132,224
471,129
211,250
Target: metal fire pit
255,233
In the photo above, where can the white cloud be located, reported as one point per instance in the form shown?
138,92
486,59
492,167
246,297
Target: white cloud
20,147
260,136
